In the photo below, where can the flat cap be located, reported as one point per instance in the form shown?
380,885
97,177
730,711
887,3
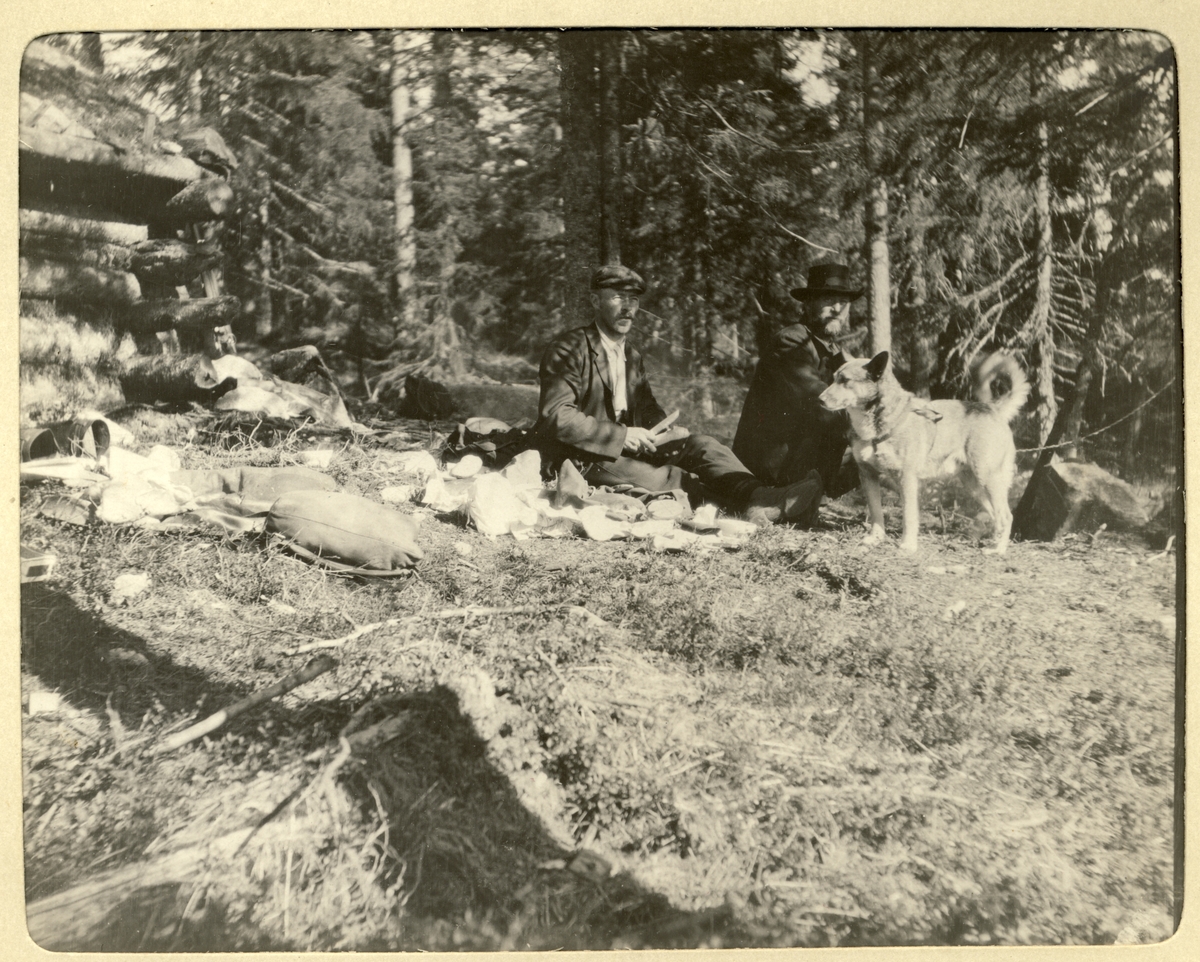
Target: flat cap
618,278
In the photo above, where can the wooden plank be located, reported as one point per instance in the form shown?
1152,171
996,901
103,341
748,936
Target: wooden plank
109,232
82,150
55,280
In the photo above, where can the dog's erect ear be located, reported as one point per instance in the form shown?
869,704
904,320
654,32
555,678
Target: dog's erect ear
876,366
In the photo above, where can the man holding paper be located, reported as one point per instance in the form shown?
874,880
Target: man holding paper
597,409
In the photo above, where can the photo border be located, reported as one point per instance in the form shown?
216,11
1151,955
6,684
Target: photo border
1180,26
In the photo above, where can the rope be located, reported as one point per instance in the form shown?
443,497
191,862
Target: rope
1107,427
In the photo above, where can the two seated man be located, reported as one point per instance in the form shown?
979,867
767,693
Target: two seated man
597,410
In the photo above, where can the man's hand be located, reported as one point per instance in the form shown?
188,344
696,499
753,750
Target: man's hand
639,441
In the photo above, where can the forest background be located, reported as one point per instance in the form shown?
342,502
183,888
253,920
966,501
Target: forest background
440,197
444,195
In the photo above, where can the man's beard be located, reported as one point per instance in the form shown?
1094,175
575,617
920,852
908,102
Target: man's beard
834,327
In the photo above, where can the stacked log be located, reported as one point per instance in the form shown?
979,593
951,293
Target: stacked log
170,262
34,222
173,377
114,231
76,260
203,325
63,247
64,280
204,200
82,150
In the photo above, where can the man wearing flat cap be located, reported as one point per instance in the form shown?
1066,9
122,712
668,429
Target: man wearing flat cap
597,410
785,432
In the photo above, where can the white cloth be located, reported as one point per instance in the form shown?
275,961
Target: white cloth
615,352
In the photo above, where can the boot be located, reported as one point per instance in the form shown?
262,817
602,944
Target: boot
795,504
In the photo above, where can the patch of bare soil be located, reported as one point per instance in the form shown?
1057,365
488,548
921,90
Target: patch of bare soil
559,743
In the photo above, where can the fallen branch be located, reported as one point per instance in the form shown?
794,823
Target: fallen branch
116,729
345,639
318,666
471,611
375,735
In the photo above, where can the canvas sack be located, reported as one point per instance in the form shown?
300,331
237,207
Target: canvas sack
347,529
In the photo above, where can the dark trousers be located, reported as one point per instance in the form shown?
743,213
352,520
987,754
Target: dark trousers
700,465
824,453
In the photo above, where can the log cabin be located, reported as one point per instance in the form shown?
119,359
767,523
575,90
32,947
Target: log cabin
119,236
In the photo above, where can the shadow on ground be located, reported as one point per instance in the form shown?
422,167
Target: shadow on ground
468,866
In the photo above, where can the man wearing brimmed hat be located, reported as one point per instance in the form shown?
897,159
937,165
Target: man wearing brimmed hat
784,432
597,410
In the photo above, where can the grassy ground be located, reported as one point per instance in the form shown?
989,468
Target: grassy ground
803,742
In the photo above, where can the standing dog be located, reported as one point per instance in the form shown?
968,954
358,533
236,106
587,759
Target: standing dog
895,432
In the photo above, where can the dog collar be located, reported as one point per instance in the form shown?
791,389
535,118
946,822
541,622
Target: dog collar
907,409
872,406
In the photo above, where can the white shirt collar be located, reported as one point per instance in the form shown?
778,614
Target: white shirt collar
611,345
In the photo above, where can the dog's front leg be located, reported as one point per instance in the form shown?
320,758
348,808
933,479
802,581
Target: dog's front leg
910,498
870,485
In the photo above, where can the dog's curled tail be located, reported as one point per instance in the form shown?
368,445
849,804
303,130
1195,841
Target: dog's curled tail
1005,367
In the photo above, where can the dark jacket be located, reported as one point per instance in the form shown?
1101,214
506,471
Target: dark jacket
784,431
576,404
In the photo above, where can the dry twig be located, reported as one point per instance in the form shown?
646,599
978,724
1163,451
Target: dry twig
317,666
471,611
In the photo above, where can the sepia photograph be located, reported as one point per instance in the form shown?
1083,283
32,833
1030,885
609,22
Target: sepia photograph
534,489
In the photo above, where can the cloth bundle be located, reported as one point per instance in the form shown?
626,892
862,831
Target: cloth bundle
345,531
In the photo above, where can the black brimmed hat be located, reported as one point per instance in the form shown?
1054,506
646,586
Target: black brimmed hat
827,279
618,278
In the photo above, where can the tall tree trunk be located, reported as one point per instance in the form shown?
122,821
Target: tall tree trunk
1133,437
406,247
920,360
91,51
1069,419
1043,334
447,349
699,197
580,170
879,288
265,320
1071,413
196,80
610,147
